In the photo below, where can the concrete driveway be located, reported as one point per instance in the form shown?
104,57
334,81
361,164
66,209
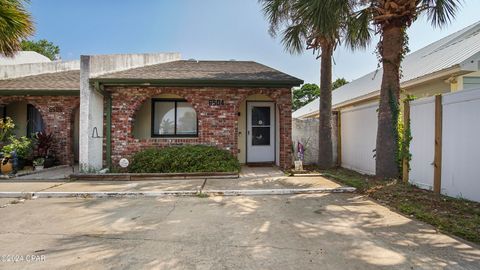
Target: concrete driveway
317,231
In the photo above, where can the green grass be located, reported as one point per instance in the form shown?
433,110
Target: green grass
459,217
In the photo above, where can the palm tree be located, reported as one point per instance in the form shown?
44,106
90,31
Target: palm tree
391,19
15,26
319,25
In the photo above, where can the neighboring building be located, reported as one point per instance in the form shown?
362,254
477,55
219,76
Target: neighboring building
448,65
24,57
44,97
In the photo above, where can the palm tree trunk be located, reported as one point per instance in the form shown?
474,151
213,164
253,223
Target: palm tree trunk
325,159
386,152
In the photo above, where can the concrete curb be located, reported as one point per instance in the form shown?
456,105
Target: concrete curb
248,192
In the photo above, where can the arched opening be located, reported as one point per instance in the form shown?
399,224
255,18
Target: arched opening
258,128
165,115
27,118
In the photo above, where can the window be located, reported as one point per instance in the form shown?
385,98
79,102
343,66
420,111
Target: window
34,121
173,118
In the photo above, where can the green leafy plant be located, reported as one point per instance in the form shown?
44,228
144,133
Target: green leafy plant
6,128
22,145
188,158
39,162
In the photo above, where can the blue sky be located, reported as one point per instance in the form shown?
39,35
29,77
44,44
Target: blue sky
204,30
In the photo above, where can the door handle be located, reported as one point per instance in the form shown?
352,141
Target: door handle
248,132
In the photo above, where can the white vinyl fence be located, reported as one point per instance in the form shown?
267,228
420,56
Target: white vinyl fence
358,137
422,146
460,170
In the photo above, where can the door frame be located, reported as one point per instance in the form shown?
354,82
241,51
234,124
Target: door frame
274,130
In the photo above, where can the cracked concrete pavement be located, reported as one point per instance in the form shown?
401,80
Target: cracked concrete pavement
315,231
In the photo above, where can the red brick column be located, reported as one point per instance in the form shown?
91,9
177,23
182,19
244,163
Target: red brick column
57,114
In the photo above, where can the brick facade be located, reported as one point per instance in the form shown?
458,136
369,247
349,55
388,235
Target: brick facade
217,125
58,114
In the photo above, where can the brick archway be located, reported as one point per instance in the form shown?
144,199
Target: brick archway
56,112
145,95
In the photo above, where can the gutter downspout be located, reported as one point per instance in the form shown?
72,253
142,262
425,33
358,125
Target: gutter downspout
109,131
108,125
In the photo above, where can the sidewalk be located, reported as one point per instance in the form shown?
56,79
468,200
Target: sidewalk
256,181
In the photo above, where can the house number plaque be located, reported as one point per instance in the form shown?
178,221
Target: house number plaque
216,102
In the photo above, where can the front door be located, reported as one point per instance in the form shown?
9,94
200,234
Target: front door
260,132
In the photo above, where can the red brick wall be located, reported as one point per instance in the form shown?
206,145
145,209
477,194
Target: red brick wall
58,117
217,125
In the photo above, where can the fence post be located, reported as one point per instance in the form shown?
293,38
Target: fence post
339,138
437,163
406,125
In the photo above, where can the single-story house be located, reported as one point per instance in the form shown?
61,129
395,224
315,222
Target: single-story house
107,107
240,106
40,95
451,64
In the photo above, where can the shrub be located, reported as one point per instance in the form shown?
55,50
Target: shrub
22,145
190,158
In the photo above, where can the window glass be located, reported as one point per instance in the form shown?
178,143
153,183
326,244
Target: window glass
164,118
261,116
174,118
186,119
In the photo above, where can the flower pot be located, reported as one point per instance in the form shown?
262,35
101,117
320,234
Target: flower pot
38,168
7,167
21,163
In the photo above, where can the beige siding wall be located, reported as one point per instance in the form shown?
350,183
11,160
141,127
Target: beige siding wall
242,126
460,82
143,119
429,89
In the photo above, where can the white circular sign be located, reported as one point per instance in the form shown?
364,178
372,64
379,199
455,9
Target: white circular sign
123,162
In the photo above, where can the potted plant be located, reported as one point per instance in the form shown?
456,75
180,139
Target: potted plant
38,163
21,146
6,128
44,142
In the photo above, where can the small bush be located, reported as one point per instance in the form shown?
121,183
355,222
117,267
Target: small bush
190,158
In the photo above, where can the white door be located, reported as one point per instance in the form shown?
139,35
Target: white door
260,132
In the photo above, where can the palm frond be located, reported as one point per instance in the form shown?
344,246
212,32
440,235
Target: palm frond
295,38
15,26
358,31
441,12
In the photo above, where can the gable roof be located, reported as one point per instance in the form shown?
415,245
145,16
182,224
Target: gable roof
457,52
208,73
58,81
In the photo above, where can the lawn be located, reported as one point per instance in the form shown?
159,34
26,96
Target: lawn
450,215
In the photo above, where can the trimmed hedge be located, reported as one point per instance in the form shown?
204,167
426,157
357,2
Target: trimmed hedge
180,159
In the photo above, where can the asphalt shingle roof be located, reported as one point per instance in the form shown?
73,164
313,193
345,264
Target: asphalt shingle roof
191,70
65,80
